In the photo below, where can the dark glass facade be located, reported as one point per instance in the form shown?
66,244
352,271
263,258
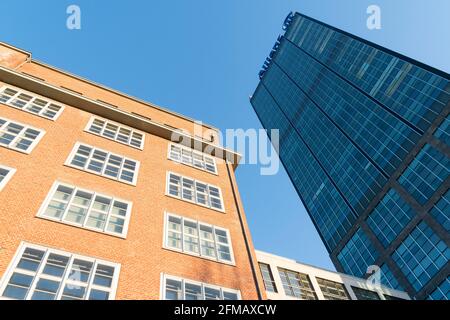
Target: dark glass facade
364,137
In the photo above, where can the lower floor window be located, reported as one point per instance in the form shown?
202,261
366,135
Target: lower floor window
40,273
175,288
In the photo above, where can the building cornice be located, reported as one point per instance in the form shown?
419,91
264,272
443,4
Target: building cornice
75,100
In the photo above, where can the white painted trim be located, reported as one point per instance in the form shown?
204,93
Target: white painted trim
78,144
32,145
11,172
199,255
49,197
121,126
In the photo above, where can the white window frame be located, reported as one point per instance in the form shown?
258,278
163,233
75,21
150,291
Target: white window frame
34,97
75,149
165,277
199,254
192,152
194,201
26,126
49,197
8,176
120,126
64,280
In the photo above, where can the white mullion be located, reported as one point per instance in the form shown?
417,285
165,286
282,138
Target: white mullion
12,98
90,282
203,291
44,109
75,189
27,103
37,275
105,162
64,278
108,215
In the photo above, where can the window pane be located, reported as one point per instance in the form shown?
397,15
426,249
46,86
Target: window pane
173,290
212,294
56,265
98,295
193,292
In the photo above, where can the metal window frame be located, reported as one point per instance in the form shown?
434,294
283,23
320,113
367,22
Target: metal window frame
61,220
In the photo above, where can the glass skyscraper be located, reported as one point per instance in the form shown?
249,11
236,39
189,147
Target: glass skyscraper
365,139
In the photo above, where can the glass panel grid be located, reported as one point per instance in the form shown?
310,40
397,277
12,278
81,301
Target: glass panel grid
421,255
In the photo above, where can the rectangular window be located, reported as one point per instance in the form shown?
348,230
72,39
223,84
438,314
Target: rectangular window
86,209
175,288
19,137
192,158
40,273
363,294
117,132
332,290
103,163
194,191
30,102
297,285
5,175
269,282
197,238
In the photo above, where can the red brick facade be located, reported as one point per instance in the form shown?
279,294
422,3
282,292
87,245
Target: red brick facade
141,255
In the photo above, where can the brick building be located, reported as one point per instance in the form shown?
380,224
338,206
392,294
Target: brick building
98,202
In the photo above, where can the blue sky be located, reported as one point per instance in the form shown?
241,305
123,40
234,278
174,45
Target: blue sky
201,58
